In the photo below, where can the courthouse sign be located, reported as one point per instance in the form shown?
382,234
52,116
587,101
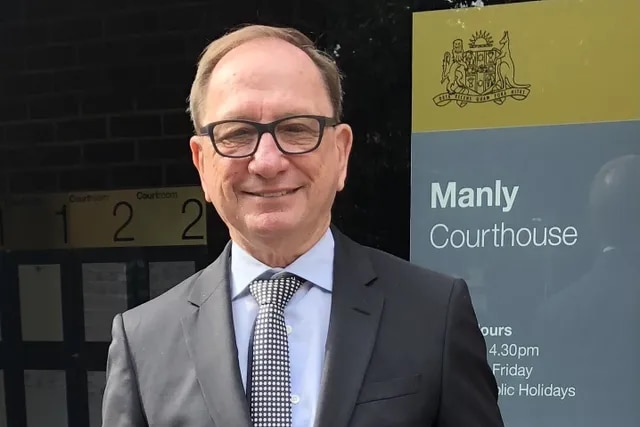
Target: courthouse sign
525,164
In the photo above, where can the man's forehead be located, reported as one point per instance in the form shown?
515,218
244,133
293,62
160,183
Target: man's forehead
265,63
255,77
264,51
262,107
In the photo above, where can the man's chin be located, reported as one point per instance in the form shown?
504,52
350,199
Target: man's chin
271,225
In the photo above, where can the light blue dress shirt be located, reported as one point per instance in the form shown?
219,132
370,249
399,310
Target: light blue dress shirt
306,316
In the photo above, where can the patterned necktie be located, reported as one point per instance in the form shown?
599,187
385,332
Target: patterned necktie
270,377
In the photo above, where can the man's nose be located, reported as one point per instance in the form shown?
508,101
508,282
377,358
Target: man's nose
268,160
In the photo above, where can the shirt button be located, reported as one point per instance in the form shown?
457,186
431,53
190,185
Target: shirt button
295,399
289,329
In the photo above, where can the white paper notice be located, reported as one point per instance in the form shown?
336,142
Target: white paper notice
95,385
3,408
165,275
40,302
46,398
104,287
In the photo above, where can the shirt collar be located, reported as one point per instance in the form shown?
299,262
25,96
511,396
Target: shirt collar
315,266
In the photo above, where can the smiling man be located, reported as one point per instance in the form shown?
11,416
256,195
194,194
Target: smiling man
294,324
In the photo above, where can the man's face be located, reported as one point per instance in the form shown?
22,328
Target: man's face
264,80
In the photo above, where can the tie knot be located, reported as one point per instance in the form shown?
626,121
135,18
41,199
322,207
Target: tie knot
276,291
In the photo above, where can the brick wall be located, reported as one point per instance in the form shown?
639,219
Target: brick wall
93,96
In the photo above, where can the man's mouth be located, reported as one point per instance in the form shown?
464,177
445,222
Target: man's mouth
272,194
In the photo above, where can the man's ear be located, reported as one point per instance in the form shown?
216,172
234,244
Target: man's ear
344,142
198,155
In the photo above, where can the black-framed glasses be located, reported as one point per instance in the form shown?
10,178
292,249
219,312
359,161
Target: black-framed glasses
293,135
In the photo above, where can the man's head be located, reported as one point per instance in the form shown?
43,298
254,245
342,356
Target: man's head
271,201
614,206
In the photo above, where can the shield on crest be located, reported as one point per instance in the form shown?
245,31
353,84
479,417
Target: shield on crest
481,70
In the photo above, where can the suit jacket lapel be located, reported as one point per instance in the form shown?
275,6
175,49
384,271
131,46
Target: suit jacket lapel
212,346
355,314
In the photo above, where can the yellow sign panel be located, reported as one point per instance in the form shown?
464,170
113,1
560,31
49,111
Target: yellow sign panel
139,218
526,64
147,217
36,222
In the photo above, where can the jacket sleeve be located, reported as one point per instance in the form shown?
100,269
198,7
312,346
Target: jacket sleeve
469,390
121,406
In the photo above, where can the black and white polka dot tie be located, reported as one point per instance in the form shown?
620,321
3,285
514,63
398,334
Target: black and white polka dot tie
270,377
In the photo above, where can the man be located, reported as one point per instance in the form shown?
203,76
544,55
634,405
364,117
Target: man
588,329
366,339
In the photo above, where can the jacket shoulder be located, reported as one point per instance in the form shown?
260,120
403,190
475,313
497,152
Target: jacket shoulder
162,311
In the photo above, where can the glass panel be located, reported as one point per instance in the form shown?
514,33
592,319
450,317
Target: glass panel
46,398
104,288
95,384
40,302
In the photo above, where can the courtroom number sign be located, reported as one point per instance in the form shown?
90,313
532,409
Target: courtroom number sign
200,211
65,225
147,217
125,211
116,236
35,222
174,216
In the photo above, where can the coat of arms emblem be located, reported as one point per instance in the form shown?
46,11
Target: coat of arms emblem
482,73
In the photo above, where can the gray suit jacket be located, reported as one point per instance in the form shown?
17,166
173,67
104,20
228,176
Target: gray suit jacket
404,349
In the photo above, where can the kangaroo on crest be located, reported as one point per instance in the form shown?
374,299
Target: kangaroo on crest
506,68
